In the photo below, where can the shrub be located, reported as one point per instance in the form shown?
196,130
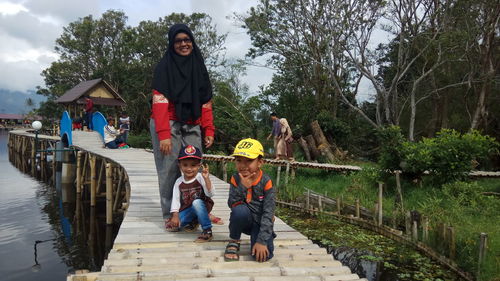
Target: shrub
140,141
391,141
447,157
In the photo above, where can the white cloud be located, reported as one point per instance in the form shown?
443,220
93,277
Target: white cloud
9,8
29,28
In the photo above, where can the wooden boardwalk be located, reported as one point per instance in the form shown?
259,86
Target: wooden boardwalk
143,250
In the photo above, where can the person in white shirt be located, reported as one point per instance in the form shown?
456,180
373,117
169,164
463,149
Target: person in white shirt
124,126
112,137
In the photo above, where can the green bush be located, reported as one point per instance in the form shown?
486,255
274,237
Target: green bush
391,148
447,157
140,141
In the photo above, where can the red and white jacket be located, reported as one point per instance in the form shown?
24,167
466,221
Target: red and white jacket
163,111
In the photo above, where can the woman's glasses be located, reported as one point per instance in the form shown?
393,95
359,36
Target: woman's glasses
185,40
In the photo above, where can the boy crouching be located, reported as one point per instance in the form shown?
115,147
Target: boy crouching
252,203
191,202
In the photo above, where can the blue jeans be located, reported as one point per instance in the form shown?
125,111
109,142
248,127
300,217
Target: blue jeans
196,211
88,120
114,144
241,221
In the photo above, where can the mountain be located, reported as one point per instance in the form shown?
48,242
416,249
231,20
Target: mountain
15,101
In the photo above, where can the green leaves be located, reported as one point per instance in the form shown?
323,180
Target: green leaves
447,157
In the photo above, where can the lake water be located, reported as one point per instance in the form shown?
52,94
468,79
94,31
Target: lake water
41,238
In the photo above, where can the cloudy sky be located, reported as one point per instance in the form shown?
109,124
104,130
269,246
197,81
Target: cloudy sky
28,29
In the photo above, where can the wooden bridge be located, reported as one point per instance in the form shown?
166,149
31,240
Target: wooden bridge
143,250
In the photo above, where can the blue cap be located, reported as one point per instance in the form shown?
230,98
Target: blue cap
190,151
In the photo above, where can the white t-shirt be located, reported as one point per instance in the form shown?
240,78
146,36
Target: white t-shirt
176,196
110,133
125,123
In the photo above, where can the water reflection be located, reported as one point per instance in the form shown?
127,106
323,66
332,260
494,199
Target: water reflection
46,229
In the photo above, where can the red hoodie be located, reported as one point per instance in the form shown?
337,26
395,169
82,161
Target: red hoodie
163,111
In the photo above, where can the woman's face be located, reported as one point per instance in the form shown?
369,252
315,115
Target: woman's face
183,45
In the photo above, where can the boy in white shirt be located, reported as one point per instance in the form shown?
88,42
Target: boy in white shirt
191,202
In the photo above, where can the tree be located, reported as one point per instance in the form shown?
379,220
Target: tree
124,56
329,44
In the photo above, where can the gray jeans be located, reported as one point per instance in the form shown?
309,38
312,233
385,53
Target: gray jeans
166,165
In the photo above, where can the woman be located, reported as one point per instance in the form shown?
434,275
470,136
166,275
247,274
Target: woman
284,148
181,109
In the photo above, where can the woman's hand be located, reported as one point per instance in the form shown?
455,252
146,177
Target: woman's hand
166,146
209,140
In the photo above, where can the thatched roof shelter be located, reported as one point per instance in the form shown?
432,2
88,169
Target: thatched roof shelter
98,90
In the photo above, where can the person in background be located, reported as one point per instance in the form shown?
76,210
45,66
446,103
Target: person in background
285,148
275,132
89,108
181,109
191,200
112,137
252,203
124,125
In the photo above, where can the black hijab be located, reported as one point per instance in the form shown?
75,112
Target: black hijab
183,80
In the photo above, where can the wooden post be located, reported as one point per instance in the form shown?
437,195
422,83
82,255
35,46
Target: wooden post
425,229
414,231
287,171
79,172
399,190
320,203
109,194
118,189
292,174
308,199
93,180
483,246
357,208
339,205
408,223
224,171
442,236
33,158
451,242
380,197
278,176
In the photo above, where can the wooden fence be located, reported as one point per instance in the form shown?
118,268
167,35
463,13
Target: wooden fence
415,231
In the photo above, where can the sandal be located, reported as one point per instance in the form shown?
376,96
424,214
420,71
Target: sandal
216,220
205,236
170,227
192,226
232,248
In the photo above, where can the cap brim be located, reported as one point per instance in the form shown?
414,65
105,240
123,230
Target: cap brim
189,156
246,155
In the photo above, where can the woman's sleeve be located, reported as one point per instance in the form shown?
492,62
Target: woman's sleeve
160,115
207,119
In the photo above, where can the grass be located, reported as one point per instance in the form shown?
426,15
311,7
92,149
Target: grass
396,261
460,205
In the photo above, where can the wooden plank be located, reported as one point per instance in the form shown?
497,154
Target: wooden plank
143,250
